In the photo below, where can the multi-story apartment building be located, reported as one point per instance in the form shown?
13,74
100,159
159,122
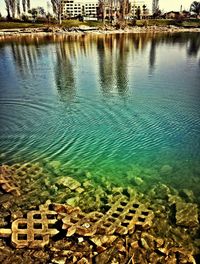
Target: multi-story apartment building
135,5
73,8
89,8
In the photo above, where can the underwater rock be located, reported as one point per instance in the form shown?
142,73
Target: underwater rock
188,195
41,255
7,205
160,191
88,184
138,181
90,201
187,214
80,190
173,199
112,255
74,201
117,190
59,260
2,155
148,241
183,255
15,215
55,164
3,222
68,182
155,258
166,170
132,192
5,198
103,241
144,244
88,174
62,196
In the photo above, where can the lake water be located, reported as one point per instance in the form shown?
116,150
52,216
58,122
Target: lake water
116,106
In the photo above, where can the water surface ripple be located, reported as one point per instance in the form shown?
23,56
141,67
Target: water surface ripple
101,103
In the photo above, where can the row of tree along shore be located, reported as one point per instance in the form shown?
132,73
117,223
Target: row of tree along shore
21,10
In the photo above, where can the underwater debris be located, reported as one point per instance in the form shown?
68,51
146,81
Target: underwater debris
70,251
33,231
68,182
7,181
103,241
33,170
111,225
187,214
121,218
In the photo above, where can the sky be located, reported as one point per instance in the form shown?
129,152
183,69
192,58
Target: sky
165,5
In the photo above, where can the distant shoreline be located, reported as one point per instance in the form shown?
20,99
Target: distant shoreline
90,30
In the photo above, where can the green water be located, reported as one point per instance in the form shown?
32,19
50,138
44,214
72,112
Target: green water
116,106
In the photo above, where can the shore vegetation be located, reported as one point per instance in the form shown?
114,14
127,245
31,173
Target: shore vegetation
189,23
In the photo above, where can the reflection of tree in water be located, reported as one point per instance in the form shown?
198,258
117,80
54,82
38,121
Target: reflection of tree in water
26,56
64,71
106,70
121,64
194,45
113,52
189,40
152,54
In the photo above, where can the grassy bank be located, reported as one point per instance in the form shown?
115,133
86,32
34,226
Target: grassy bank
12,25
167,22
190,23
65,23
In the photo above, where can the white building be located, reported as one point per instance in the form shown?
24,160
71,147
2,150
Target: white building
135,5
73,8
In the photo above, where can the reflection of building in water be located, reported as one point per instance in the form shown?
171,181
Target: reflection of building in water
73,8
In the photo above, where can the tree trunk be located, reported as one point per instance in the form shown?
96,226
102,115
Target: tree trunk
7,8
18,8
13,8
28,4
60,13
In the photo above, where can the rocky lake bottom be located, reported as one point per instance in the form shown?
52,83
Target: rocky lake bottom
54,216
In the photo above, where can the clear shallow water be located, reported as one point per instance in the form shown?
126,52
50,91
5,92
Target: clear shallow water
118,106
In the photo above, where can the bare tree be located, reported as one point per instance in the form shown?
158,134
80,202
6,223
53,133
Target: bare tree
102,10
12,4
13,7
57,9
7,3
124,8
26,5
18,7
